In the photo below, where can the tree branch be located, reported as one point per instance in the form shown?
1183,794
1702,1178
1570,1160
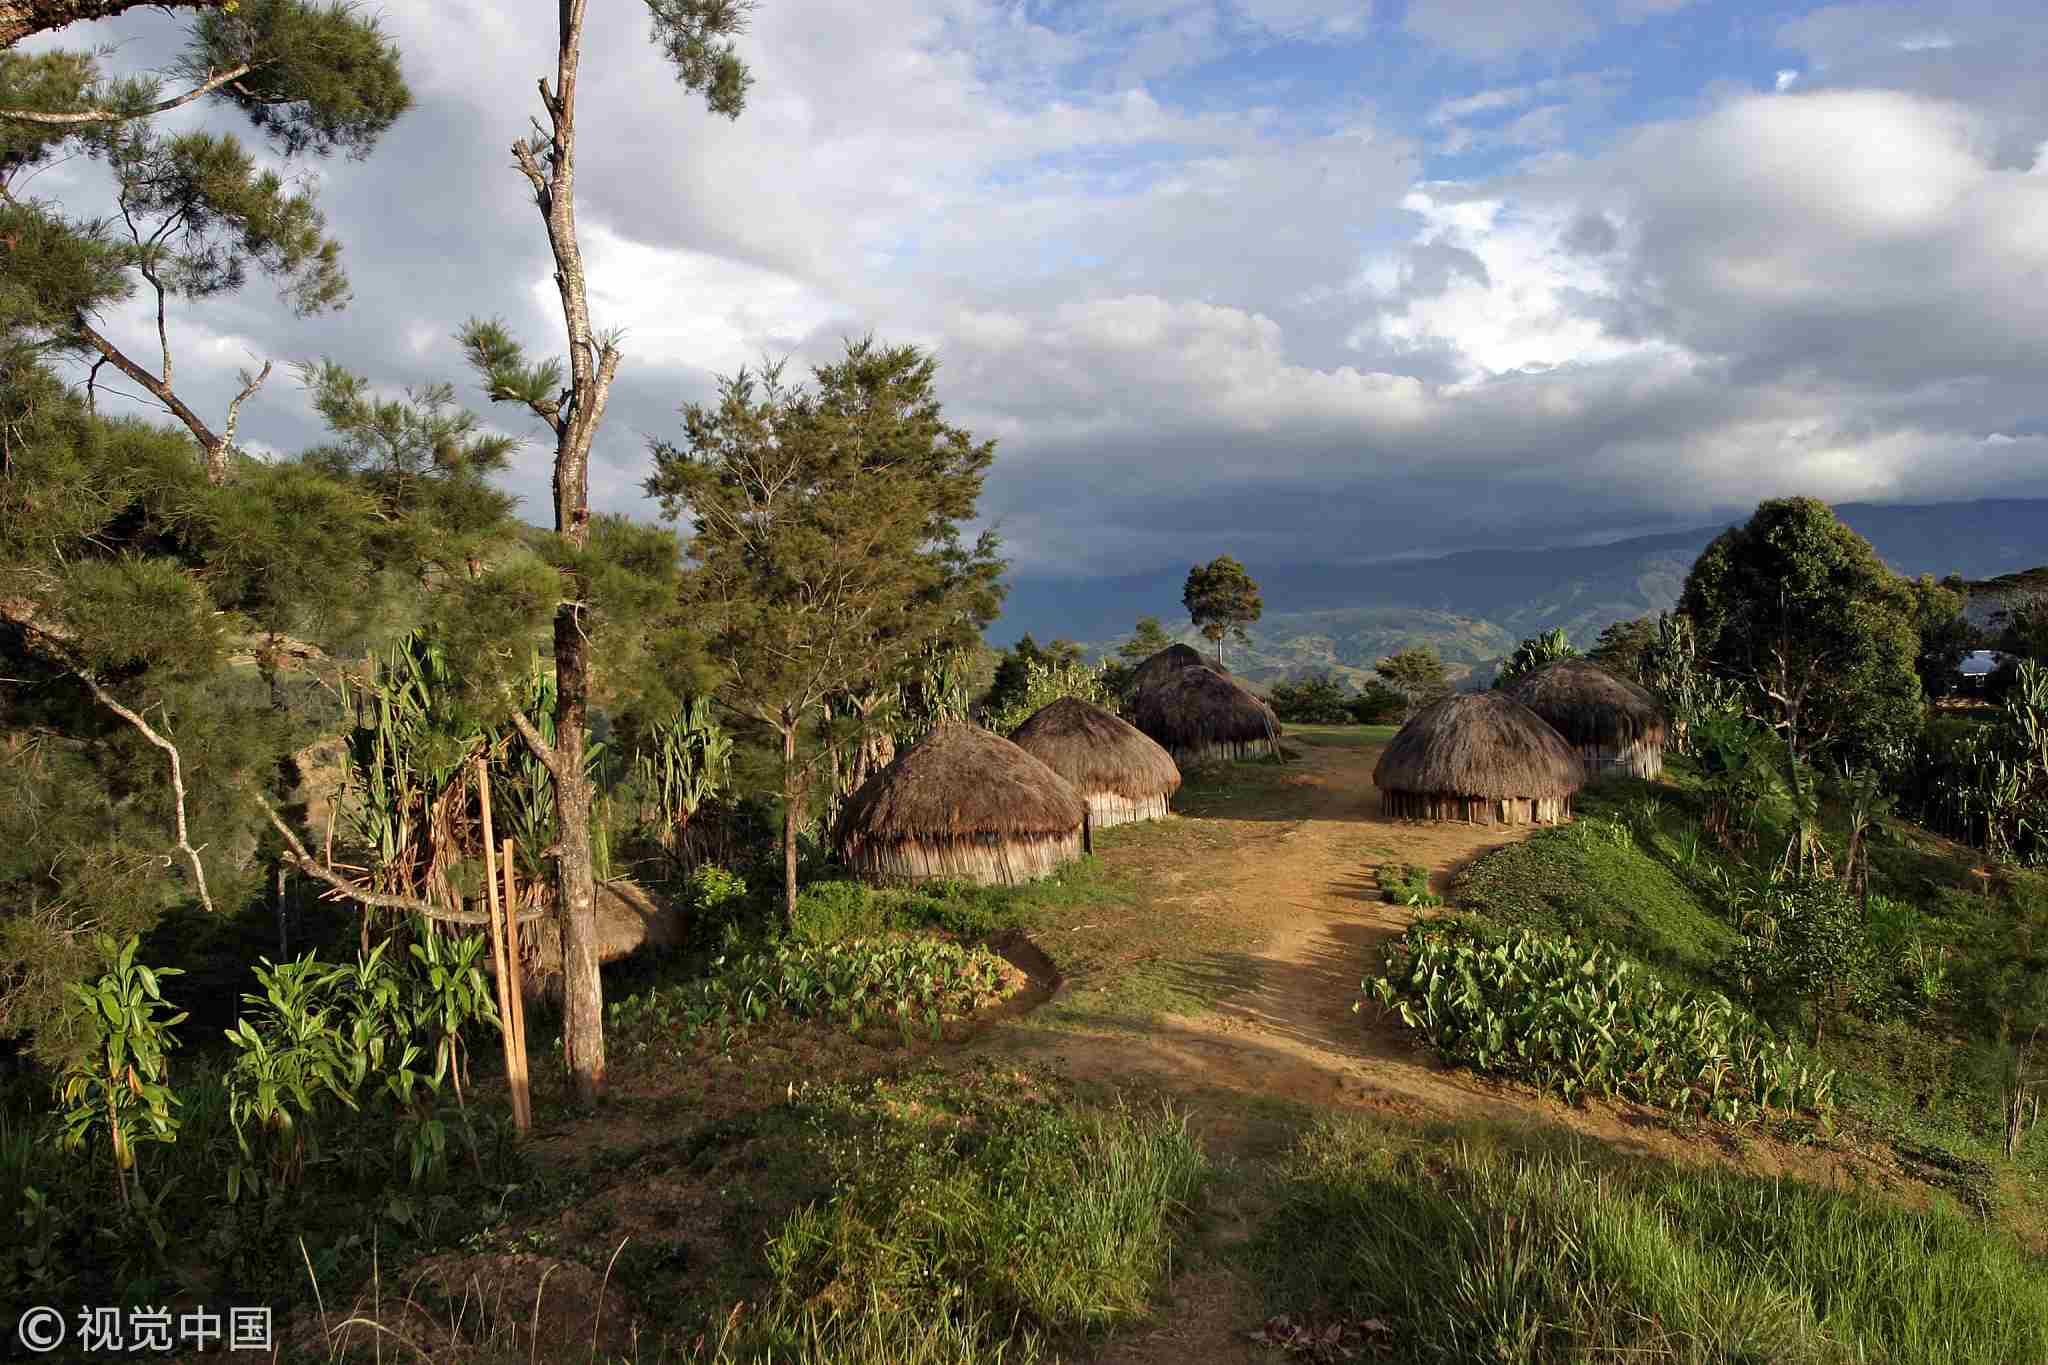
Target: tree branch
296,853
177,779
227,439
542,750
212,84
162,392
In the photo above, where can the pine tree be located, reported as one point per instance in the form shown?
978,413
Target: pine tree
825,537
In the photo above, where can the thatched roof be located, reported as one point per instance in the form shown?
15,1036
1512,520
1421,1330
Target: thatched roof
1197,705
961,782
628,918
1483,744
1096,751
1164,665
1588,705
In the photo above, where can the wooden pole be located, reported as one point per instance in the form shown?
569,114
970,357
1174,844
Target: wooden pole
512,981
501,931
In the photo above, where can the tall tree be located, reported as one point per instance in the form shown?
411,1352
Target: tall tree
195,212
1799,609
687,31
1946,634
1623,646
825,537
1222,599
1148,639
1417,673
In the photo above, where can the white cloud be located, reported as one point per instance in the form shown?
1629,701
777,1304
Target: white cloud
1785,80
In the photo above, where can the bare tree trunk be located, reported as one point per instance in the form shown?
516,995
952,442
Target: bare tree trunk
575,877
549,164
789,799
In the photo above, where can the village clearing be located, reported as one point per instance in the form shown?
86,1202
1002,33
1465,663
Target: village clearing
1208,964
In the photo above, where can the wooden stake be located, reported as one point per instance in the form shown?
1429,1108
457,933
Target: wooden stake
508,999
512,981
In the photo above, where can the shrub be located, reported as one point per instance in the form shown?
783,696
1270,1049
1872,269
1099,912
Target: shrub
1572,1018
1803,938
1377,704
1318,699
912,983
827,912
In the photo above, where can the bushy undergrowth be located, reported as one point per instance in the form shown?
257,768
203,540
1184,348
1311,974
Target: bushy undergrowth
912,984
1525,1249
967,1220
1575,1019
830,911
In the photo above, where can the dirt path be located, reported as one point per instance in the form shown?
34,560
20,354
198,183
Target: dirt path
1283,1025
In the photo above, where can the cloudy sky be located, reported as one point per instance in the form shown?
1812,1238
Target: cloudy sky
1289,279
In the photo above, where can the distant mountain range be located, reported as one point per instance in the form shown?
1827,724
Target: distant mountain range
1475,605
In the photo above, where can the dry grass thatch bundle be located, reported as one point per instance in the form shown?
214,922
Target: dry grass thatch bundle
1164,665
962,802
1479,756
628,918
1118,770
1199,715
1613,722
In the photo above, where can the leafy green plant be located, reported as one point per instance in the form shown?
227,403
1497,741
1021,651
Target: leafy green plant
1575,1019
1406,884
1046,682
119,1087
908,982
1804,937
450,995
685,761
288,1055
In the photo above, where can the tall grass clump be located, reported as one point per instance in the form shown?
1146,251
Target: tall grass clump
1469,1245
1575,1019
1009,1221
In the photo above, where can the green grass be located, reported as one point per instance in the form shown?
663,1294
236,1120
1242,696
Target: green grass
1607,878
979,1205
1475,1243
1342,736
1922,1075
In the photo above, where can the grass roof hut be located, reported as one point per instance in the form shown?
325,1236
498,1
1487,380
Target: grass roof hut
628,919
1479,756
1612,722
1199,715
962,802
1164,665
1118,770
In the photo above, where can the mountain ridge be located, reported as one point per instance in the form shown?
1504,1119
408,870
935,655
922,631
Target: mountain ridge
1474,605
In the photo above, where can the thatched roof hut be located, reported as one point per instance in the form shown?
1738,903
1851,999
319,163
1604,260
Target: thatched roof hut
1199,715
962,802
1118,770
1164,665
1612,722
1479,756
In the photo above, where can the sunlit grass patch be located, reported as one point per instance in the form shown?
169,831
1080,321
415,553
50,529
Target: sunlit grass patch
1476,1244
